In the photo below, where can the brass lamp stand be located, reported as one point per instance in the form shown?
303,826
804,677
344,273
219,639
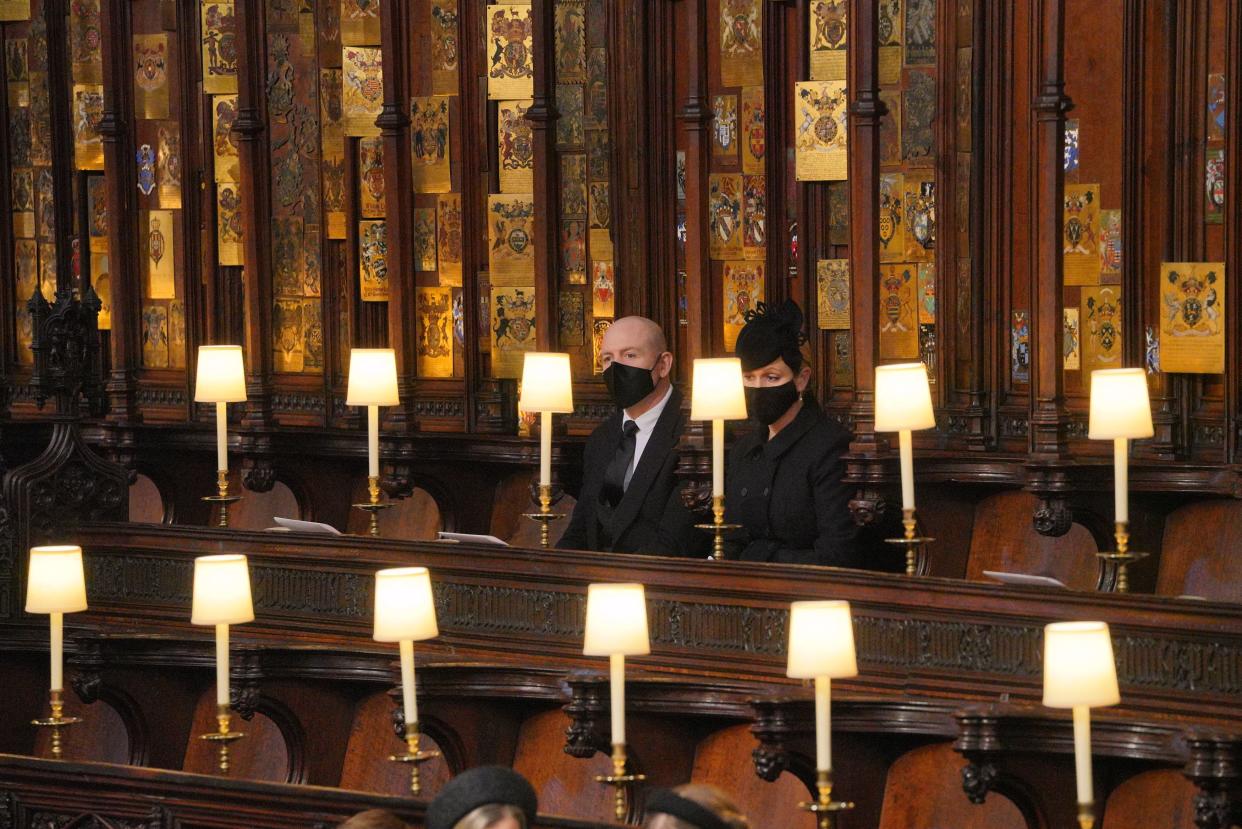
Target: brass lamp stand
222,737
545,516
1123,557
916,545
620,780
374,505
824,807
414,757
222,499
57,721
718,527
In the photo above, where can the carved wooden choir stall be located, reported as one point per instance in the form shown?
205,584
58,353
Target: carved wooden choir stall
291,259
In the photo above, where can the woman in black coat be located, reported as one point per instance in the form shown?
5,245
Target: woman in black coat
784,478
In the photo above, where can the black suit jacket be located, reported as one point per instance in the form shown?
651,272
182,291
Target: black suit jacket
651,517
788,495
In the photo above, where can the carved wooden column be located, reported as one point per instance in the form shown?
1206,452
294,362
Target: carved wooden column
864,138
542,116
394,124
1047,469
641,73
965,366
812,210
1233,216
8,313
473,193
251,130
628,108
1048,415
117,131
976,413
776,97
59,82
1141,103
694,116
204,315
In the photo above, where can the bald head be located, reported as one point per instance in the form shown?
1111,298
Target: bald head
635,341
634,332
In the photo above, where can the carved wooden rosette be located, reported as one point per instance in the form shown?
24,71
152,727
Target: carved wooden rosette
588,709
979,741
1214,766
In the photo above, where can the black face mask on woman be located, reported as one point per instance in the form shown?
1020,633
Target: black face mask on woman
766,404
628,384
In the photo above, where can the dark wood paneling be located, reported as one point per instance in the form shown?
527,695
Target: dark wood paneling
997,544
1152,800
1198,556
775,803
1179,658
924,791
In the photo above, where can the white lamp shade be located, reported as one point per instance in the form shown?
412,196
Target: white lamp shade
1120,405
903,398
718,393
547,384
221,376
616,620
1078,665
821,641
404,608
54,580
221,591
372,377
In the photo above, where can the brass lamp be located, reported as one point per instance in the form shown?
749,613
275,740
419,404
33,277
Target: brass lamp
56,585
1120,411
718,395
221,379
405,613
222,598
821,648
372,383
1080,674
616,627
547,388
903,404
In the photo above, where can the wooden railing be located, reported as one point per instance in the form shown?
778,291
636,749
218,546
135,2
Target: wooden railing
1177,658
38,793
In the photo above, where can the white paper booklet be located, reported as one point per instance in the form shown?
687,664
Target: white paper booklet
294,525
467,538
1026,579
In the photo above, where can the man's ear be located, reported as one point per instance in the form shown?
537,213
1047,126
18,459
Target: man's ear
664,365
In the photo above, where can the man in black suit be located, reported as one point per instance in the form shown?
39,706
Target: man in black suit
629,502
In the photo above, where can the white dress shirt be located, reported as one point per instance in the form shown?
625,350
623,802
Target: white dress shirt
646,424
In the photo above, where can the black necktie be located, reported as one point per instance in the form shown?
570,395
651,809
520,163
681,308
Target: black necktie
614,475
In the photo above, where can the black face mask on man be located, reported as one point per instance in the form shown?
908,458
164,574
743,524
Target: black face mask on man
766,404
628,384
